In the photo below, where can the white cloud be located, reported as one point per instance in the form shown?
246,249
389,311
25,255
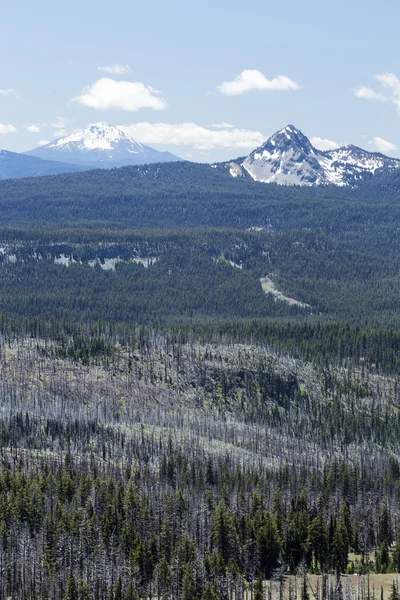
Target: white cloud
43,142
222,125
323,144
5,129
251,79
382,145
390,82
368,94
59,133
9,92
116,69
32,128
58,123
190,134
123,95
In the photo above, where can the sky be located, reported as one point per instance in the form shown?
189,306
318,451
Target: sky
204,80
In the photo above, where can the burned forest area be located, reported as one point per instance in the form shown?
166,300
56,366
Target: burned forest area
199,388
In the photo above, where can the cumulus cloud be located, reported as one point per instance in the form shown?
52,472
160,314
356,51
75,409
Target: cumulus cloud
5,129
8,92
323,144
251,79
390,81
43,142
59,126
222,125
382,145
116,69
107,93
391,84
368,94
32,128
58,123
191,134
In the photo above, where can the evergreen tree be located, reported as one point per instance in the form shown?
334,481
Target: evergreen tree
259,587
71,592
394,593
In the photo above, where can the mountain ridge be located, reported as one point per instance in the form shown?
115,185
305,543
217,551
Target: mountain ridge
286,158
289,158
14,165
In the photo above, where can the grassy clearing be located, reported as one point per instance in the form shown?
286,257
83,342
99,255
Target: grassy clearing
353,587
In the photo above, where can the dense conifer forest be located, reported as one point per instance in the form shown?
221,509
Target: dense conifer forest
199,388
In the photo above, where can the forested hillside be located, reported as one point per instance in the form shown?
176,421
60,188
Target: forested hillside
188,194
199,274
135,464
199,388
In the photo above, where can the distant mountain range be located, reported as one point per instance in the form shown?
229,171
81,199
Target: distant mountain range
101,146
286,158
14,165
289,158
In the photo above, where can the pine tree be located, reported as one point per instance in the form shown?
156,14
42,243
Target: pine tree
396,552
131,593
394,594
385,535
118,589
304,589
210,592
71,592
259,587
189,587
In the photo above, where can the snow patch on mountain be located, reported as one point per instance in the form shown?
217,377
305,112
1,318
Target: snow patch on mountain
100,136
101,145
289,158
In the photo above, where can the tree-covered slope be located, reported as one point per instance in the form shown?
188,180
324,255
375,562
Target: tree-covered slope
188,194
196,275
135,464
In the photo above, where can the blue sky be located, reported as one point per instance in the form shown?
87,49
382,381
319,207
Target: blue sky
204,80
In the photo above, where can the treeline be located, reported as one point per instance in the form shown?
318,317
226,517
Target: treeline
374,350
330,344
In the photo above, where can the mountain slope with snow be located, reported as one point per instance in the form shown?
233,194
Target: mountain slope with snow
101,145
289,158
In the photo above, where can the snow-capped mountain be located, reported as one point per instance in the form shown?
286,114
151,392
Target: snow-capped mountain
101,145
289,158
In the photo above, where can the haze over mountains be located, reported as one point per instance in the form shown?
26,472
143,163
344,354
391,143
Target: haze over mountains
286,158
14,166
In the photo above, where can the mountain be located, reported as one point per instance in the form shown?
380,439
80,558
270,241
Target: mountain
289,158
101,146
14,166
286,158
